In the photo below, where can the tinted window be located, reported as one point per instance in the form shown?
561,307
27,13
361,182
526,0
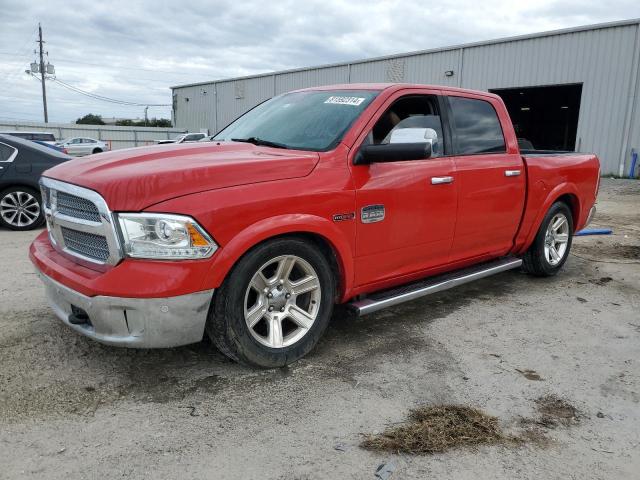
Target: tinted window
477,126
26,136
44,137
5,152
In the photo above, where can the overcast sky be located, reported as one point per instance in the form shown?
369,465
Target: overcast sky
136,50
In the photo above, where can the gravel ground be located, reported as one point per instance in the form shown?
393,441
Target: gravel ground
71,408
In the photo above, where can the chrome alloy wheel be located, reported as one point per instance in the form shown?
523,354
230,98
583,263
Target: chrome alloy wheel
282,301
556,239
19,209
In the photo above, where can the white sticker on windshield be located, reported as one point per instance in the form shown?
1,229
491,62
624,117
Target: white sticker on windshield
355,101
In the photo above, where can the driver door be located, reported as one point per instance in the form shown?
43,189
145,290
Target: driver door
405,210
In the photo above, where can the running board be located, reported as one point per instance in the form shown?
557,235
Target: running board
405,293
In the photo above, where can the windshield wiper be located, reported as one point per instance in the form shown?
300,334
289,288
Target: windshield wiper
259,141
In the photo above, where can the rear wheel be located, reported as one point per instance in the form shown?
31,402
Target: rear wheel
97,150
20,208
274,305
552,243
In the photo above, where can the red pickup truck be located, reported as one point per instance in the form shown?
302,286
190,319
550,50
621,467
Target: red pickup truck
366,194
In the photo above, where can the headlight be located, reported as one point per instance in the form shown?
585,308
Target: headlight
164,236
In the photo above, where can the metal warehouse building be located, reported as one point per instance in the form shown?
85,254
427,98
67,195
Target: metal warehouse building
567,89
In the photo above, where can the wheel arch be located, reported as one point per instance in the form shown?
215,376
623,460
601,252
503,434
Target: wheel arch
17,184
331,241
566,193
573,202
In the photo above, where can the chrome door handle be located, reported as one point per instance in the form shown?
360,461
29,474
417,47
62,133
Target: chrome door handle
511,173
441,180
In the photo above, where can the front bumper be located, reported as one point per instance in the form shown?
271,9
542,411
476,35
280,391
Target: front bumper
132,322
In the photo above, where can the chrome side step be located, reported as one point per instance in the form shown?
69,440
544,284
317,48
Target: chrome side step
388,298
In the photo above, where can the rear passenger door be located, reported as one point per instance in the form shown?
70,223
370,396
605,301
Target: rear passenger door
490,175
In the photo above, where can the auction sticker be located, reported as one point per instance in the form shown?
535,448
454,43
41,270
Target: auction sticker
355,101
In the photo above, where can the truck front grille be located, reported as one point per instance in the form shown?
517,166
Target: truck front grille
80,224
77,207
86,244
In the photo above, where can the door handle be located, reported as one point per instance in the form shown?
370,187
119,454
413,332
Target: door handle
511,173
441,180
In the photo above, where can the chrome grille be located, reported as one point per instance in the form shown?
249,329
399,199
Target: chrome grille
77,207
80,224
86,244
46,195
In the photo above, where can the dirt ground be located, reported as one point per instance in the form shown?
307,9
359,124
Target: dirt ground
71,408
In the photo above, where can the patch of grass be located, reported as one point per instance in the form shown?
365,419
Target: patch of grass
435,429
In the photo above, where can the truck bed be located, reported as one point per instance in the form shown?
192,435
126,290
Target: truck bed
538,153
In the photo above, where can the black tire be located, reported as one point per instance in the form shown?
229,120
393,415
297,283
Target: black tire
97,150
226,325
17,192
535,259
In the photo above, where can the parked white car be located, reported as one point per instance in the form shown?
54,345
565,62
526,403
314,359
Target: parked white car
184,138
80,146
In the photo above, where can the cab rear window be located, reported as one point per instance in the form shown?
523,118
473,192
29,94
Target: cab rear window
477,127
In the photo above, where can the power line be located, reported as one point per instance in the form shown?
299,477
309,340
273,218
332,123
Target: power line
107,99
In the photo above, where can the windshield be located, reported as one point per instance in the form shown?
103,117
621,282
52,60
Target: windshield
309,120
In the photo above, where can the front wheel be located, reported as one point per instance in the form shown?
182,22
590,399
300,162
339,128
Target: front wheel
275,304
552,243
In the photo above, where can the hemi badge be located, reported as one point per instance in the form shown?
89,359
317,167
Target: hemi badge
372,213
341,217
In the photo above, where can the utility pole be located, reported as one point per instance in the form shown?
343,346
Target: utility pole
42,76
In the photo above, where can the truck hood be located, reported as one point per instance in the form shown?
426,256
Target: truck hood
136,178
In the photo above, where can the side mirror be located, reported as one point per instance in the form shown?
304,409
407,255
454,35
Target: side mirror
392,152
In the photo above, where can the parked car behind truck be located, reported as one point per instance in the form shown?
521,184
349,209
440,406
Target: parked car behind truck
80,146
21,164
369,194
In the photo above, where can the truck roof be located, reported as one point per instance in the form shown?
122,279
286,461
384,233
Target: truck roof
394,87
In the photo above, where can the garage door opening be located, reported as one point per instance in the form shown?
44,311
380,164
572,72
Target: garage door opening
545,118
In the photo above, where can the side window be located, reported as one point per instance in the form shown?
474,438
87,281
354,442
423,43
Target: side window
44,137
7,152
414,118
477,127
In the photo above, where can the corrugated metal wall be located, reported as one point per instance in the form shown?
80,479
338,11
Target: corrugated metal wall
604,59
599,59
117,137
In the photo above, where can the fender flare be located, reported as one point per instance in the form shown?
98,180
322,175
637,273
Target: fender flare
228,255
558,191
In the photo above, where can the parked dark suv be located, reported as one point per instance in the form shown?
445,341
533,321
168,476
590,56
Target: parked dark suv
21,165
